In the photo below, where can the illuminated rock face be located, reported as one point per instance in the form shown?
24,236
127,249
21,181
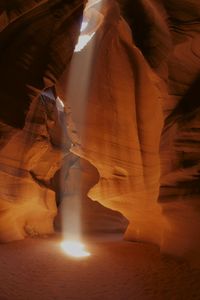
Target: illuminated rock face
122,131
122,127
34,146
141,128
94,217
37,40
178,54
27,208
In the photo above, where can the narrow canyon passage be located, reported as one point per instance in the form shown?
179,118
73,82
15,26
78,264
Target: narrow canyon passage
99,149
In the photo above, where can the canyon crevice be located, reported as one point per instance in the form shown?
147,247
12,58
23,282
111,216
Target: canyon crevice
132,136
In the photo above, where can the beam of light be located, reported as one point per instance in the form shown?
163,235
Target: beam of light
83,41
81,64
74,248
59,104
78,81
84,25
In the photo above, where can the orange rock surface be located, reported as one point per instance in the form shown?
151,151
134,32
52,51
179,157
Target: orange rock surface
133,93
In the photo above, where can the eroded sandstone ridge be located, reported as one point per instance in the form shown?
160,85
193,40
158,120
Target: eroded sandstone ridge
31,59
121,126
137,124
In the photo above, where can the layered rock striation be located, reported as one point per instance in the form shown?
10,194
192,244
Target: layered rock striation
136,113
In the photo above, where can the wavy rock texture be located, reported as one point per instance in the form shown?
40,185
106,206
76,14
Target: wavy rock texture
139,127
36,44
179,195
180,69
37,40
119,134
26,208
122,140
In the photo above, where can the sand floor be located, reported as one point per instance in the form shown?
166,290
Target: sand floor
37,269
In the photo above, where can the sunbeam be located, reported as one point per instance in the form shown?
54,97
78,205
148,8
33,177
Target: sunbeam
80,72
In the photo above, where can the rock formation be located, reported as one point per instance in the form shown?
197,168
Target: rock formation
32,43
122,140
172,50
135,110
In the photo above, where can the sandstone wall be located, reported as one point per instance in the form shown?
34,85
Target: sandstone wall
138,120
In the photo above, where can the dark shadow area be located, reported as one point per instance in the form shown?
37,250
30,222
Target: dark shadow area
187,107
29,56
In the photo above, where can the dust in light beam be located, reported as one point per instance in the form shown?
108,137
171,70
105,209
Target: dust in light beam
80,70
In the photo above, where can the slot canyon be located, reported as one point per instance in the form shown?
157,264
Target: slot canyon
100,143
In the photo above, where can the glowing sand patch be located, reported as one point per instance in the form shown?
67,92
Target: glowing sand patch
74,248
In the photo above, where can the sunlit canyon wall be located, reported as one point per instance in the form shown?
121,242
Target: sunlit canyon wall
139,137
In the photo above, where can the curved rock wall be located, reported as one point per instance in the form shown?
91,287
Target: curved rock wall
37,40
27,208
179,152
122,131
140,124
120,125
